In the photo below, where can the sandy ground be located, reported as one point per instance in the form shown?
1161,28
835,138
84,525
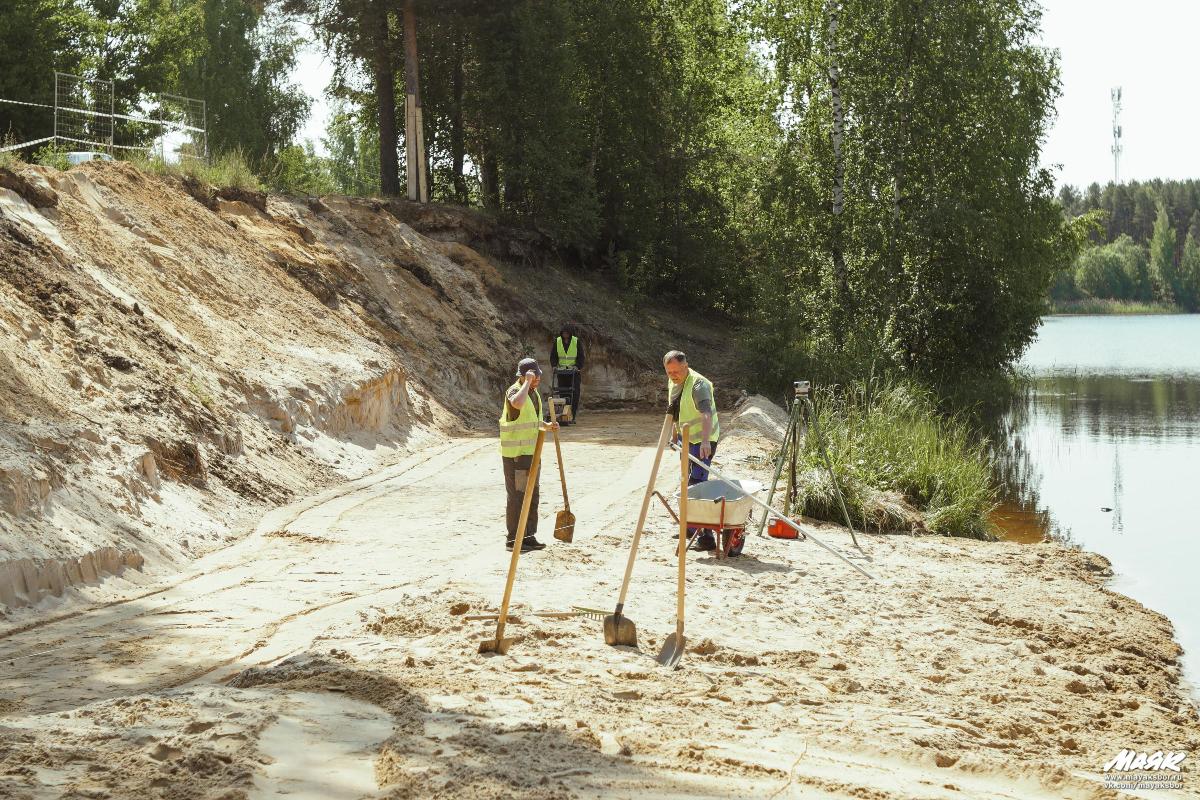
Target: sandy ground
327,656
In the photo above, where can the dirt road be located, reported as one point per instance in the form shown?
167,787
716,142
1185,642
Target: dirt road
327,656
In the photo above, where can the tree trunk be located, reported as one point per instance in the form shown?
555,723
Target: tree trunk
457,140
414,123
376,22
489,177
840,278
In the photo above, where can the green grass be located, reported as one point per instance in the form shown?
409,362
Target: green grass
228,170
9,158
1093,305
894,445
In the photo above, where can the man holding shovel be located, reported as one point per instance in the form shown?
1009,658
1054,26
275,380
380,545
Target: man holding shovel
694,397
520,419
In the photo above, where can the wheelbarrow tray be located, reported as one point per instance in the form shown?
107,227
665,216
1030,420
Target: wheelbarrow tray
717,503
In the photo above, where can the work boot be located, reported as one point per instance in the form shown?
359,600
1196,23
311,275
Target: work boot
527,544
704,541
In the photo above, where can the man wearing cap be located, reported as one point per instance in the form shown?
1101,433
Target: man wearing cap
520,419
692,395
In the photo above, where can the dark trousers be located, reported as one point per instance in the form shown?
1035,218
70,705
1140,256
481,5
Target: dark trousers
699,474
516,475
570,385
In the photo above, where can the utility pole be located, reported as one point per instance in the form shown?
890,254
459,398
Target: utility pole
1117,149
414,124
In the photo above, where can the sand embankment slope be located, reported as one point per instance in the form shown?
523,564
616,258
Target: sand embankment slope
176,360
971,670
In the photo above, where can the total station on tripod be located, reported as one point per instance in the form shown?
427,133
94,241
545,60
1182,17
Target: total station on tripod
801,412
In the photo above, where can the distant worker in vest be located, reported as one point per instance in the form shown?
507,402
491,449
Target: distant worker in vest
566,356
695,398
520,420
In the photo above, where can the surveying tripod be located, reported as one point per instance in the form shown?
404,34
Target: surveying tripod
801,415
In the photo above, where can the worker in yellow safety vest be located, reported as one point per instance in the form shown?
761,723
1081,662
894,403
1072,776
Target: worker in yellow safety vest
694,398
566,356
520,419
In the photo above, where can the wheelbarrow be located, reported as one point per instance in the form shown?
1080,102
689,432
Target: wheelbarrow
719,506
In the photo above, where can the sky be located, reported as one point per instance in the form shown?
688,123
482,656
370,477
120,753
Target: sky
1147,48
313,71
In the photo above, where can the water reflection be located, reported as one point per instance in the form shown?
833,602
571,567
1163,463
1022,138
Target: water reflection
1053,421
1100,447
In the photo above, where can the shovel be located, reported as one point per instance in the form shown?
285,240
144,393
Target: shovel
564,523
620,630
500,644
672,649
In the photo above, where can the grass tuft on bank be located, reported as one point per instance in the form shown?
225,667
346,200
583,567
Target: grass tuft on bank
1092,305
892,452
229,170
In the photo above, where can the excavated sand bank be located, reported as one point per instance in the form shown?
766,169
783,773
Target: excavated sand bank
175,360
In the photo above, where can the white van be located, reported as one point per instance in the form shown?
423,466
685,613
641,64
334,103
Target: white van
80,156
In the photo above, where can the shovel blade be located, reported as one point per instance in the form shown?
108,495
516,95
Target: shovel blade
564,526
498,646
619,630
672,650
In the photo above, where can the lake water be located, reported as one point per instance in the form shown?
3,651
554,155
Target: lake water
1103,451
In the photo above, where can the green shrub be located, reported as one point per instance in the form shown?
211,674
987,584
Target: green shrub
892,445
51,155
1116,271
1064,286
300,171
1100,272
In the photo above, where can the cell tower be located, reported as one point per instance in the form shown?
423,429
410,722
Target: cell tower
1117,149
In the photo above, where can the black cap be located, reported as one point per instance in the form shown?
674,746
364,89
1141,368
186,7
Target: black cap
526,365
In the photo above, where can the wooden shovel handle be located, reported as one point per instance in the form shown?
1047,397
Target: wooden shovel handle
561,474
637,534
527,501
683,515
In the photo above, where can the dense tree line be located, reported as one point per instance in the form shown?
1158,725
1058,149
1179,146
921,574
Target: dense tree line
1145,243
856,179
631,131
860,178
1131,209
235,55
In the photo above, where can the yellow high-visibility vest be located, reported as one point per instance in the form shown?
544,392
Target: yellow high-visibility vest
519,436
566,358
689,414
